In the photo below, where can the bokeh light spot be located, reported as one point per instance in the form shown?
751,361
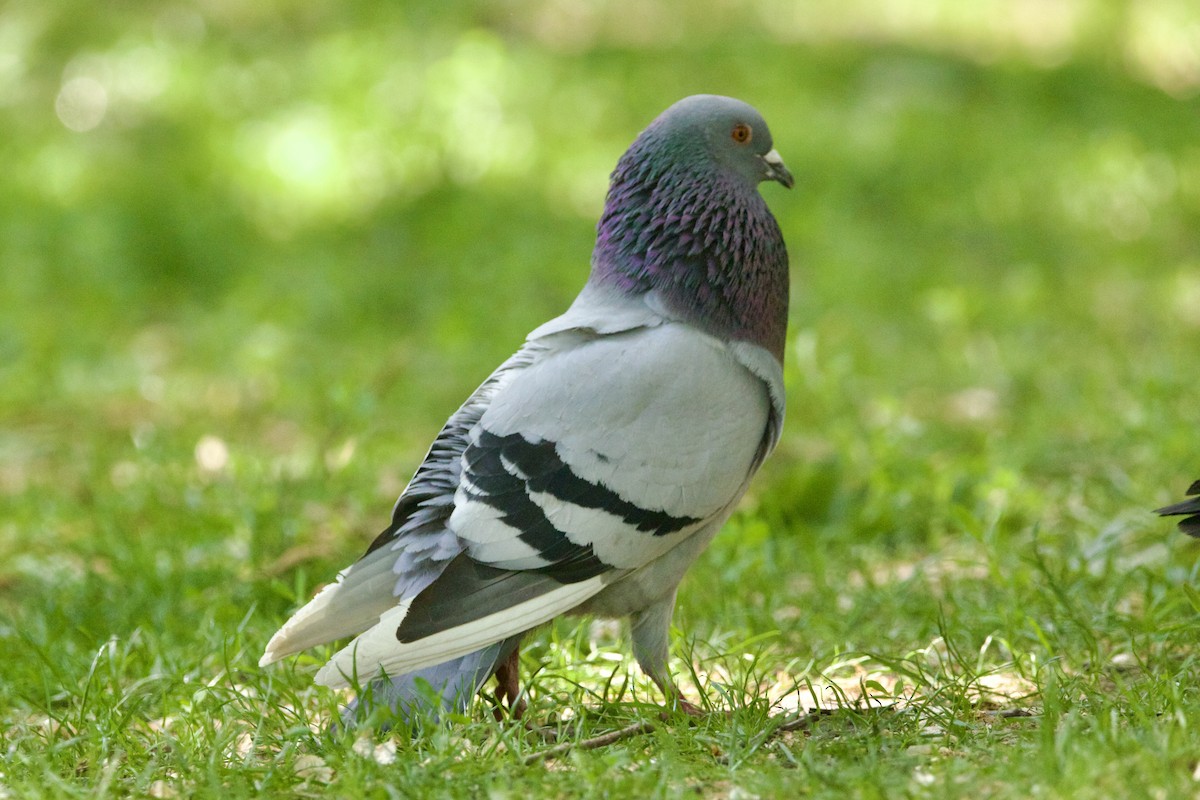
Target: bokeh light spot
302,153
81,104
212,454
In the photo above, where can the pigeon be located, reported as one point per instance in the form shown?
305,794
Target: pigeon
1189,524
589,471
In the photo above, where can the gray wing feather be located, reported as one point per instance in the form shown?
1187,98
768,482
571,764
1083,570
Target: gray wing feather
413,550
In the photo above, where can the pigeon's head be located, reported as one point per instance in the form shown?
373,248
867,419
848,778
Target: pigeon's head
684,222
729,132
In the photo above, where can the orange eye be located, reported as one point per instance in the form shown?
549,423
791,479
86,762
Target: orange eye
741,133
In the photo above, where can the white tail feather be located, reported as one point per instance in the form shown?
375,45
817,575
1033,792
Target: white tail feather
340,609
378,651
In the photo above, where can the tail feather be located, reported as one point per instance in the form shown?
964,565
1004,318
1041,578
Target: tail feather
1190,524
431,692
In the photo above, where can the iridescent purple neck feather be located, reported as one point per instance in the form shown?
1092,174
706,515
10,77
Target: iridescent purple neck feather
677,223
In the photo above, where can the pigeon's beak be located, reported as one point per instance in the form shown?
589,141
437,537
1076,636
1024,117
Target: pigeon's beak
775,169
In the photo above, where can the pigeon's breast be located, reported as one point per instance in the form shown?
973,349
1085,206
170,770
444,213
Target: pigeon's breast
667,417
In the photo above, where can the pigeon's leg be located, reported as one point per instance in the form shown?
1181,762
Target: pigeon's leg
651,629
508,685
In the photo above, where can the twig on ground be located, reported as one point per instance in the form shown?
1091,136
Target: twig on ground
543,732
1009,713
803,721
590,744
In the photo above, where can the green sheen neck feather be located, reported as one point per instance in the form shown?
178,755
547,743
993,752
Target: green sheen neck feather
676,223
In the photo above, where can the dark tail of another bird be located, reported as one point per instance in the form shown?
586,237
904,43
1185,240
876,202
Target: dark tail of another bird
1190,524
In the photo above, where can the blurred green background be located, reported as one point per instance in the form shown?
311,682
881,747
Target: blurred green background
300,232
308,227
252,254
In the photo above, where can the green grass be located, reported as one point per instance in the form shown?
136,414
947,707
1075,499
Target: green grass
217,369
